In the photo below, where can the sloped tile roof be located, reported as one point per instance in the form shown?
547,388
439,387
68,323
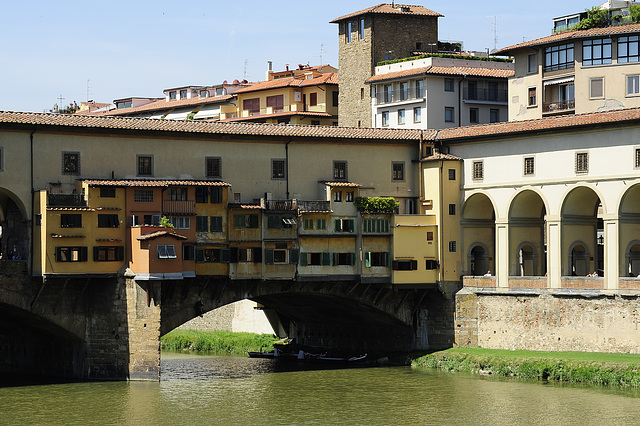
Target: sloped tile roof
439,156
568,36
388,9
278,83
152,182
561,122
162,104
280,114
340,184
68,122
244,206
157,234
434,70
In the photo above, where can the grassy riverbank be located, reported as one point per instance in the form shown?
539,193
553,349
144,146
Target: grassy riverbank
574,367
216,342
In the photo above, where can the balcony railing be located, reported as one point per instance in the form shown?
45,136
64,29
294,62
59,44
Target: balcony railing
556,106
280,205
385,97
66,200
314,206
485,95
179,207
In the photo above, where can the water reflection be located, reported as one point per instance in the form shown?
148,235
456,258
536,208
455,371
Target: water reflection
212,390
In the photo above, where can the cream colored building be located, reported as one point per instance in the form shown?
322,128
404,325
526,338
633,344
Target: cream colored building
575,72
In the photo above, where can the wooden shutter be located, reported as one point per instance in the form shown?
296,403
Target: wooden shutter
367,259
84,254
268,256
257,254
304,259
225,255
233,255
326,259
338,225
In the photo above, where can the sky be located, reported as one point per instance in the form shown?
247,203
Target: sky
106,50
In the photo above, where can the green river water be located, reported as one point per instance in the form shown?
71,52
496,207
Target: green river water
197,390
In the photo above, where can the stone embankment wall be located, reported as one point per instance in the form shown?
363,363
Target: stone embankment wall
587,321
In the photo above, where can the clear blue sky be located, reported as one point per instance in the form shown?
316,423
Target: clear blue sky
105,50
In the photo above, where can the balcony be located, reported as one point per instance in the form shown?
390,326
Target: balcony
314,206
388,96
178,207
484,95
280,205
558,106
66,200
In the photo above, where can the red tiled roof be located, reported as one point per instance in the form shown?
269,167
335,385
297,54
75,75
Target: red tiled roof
152,182
455,71
67,236
534,126
340,184
162,104
439,156
157,234
388,9
77,208
571,35
326,78
29,120
280,114
244,206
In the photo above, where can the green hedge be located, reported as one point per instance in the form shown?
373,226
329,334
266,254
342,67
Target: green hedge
377,204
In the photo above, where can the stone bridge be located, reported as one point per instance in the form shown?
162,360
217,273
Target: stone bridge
110,328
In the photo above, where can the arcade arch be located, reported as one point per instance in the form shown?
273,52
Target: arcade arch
629,230
582,240
478,231
527,236
14,227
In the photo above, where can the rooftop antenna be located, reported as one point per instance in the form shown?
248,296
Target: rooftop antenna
88,90
60,99
322,51
246,62
495,30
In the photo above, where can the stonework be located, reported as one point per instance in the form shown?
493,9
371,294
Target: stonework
543,321
144,329
237,317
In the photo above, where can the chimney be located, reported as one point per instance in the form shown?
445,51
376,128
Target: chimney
269,75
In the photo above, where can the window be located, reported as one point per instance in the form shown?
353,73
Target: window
376,259
532,63
452,174
279,256
385,118
308,224
376,226
448,114
188,252
431,264
529,166
70,163
216,224
400,116
335,96
340,170
596,52
637,158
628,49
279,222
417,115
321,224
173,96
202,194
347,33
387,93
213,167
181,222
452,209
558,57
251,105
177,194
183,94
276,103
361,94
107,192
633,85
1,159
202,223
405,265
313,99
249,255
278,170
108,254
70,221
315,122
344,259
419,89
204,94
212,255
473,115
145,165
166,252
315,259
532,96
452,246
151,219
216,194
220,91
494,115
397,171
143,195
582,162
108,221
448,85
71,254
344,225
429,235
241,221
348,196
337,196
362,29
478,170
596,87
404,91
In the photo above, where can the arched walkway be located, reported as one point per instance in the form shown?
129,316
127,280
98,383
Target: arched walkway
582,251
629,225
527,242
478,234
14,228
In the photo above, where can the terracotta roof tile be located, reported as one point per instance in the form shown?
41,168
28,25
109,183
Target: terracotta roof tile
157,234
152,182
434,70
388,9
326,78
280,114
162,104
63,121
244,206
439,156
67,236
340,184
571,35
533,126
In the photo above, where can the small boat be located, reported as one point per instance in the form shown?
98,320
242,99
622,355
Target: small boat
305,356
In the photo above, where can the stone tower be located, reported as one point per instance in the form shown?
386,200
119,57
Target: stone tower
382,32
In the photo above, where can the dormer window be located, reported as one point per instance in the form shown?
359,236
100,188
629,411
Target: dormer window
405,9
124,104
219,91
204,94
172,96
183,94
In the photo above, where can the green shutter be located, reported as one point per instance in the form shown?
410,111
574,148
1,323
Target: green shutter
238,221
386,258
367,259
293,256
351,225
338,225
326,259
353,259
304,259
268,256
253,221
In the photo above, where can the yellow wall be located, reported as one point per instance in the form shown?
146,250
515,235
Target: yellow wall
410,242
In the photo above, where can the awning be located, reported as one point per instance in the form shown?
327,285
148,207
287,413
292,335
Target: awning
558,81
208,111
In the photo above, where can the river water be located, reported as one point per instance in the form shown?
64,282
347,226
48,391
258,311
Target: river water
230,390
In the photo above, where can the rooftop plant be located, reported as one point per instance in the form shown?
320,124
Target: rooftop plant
445,55
377,204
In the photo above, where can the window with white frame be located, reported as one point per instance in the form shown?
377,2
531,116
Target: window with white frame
532,63
401,119
417,114
385,118
166,251
633,85
637,158
596,86
449,114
